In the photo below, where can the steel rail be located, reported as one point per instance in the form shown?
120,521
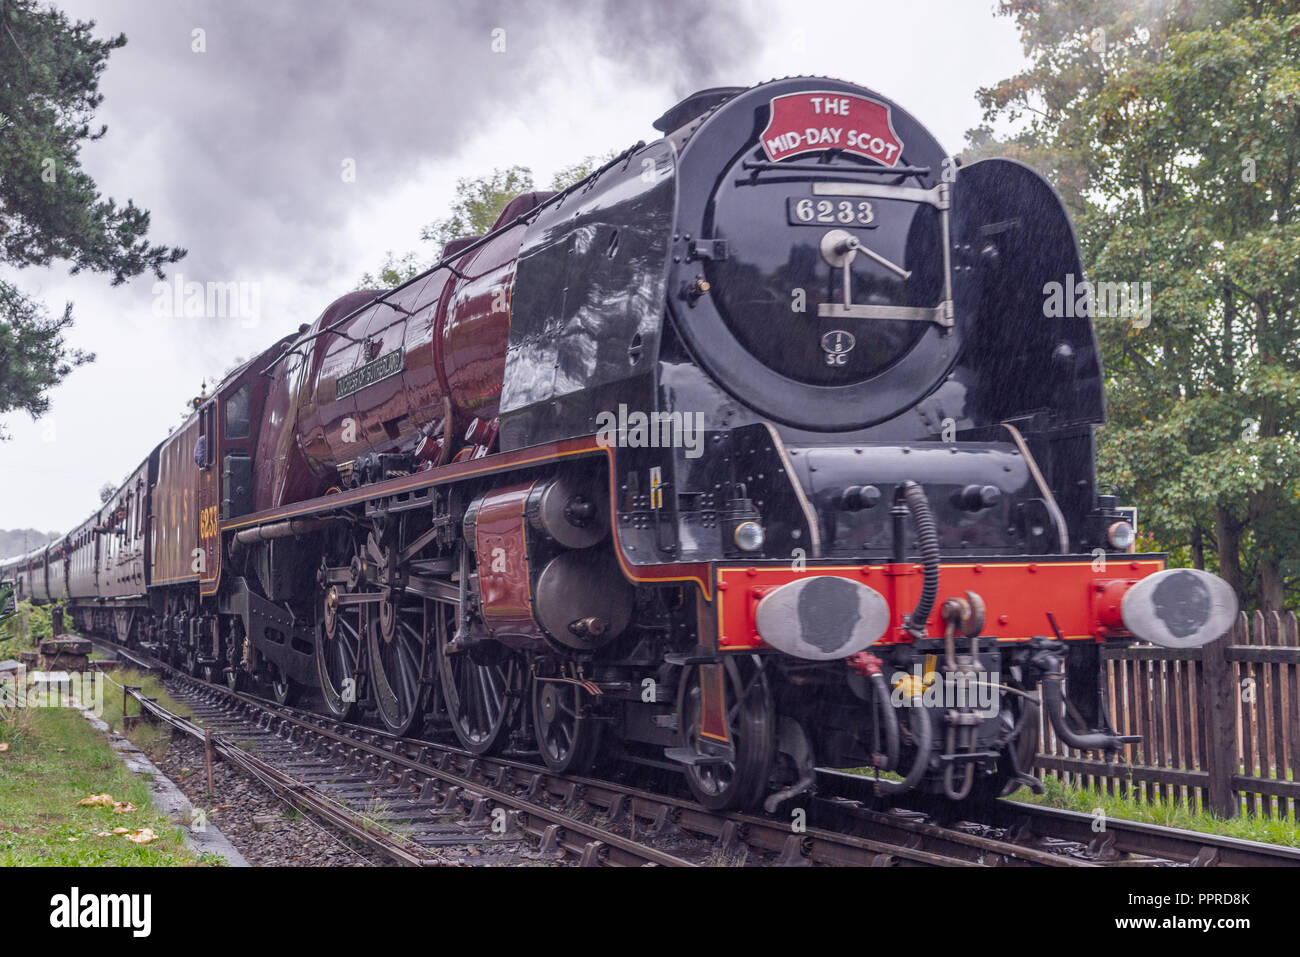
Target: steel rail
1115,843
1119,839
879,838
730,830
304,797
569,823
592,843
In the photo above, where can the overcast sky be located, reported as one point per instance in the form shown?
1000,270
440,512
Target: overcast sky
243,151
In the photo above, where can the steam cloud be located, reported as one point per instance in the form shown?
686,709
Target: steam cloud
243,144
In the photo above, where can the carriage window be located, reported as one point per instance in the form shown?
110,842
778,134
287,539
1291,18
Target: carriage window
237,414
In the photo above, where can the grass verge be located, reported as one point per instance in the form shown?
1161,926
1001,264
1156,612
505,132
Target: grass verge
54,759
1158,811
152,739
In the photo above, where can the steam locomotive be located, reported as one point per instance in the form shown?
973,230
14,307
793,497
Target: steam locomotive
752,453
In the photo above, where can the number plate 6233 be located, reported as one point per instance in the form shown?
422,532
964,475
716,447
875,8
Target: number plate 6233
807,211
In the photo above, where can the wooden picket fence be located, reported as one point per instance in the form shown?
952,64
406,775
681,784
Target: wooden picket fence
1220,725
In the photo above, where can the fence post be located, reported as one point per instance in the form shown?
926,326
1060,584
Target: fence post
1219,712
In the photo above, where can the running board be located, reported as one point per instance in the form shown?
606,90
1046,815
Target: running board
693,759
699,655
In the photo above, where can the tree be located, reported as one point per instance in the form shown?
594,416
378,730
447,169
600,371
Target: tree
394,271
106,491
1174,128
577,172
478,204
50,209
33,355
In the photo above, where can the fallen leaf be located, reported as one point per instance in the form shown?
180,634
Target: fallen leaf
97,799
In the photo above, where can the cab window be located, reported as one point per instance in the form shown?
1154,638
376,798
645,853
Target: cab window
237,414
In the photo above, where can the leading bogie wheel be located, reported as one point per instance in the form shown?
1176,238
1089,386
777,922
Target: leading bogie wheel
568,734
741,780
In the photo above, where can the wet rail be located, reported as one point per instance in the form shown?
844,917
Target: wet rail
432,793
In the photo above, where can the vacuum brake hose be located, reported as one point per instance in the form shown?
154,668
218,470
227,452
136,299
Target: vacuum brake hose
927,537
885,708
923,732
1054,702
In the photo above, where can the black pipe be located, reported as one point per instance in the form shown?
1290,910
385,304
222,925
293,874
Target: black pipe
898,520
1028,713
924,734
283,529
950,772
1054,702
927,537
889,720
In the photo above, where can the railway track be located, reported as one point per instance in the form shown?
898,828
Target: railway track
1114,842
408,797
420,793
346,771
402,806
1136,843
